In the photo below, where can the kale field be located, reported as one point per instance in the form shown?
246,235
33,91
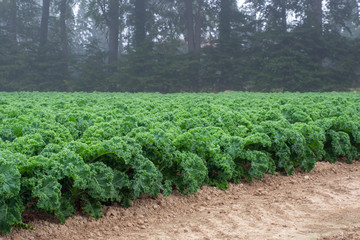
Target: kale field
66,152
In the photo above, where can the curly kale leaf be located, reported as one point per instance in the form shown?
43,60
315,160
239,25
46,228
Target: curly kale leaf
9,180
308,161
260,163
232,145
6,134
156,146
92,207
10,213
338,144
221,169
100,184
65,210
202,141
124,148
121,185
48,191
102,131
194,171
147,178
69,164
257,141
29,145
188,174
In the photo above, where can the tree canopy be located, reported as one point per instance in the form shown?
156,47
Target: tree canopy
175,46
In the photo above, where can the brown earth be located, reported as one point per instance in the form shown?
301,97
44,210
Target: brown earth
323,204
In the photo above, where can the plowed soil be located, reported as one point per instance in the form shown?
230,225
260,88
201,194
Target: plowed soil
323,204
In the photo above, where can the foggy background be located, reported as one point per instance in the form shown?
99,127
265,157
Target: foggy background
179,46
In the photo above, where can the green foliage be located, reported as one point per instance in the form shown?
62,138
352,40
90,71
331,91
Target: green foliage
9,180
92,207
11,206
10,213
62,153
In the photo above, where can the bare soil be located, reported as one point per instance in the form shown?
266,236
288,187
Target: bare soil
323,204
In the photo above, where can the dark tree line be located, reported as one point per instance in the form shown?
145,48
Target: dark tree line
173,46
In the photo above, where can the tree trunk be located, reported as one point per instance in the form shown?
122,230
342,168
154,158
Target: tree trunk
140,21
198,20
283,17
44,26
224,21
113,33
63,35
190,25
12,21
317,13
193,27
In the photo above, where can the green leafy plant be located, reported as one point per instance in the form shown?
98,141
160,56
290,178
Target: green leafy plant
77,152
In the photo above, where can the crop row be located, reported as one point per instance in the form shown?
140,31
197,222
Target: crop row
61,153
